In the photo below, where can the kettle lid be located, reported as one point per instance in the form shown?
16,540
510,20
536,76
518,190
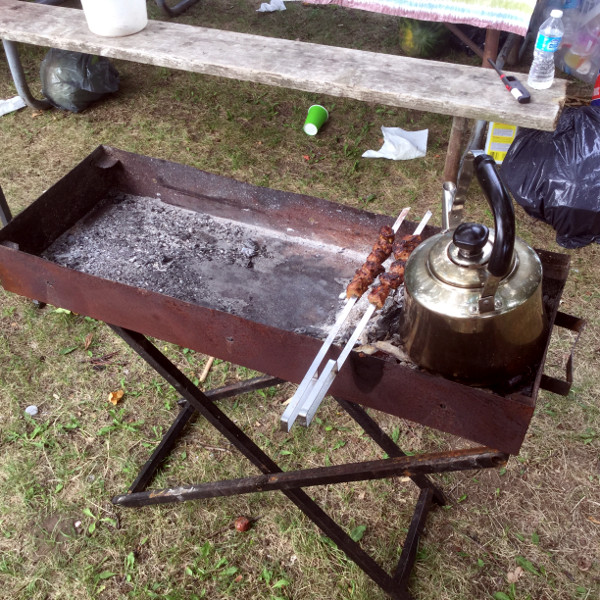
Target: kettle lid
460,257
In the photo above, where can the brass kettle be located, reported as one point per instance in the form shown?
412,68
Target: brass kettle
473,307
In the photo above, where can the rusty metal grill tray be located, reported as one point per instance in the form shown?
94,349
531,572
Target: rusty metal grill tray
264,270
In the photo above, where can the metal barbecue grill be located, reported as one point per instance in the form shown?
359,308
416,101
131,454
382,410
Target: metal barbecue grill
252,276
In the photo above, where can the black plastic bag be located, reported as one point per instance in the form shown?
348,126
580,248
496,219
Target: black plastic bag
72,80
555,176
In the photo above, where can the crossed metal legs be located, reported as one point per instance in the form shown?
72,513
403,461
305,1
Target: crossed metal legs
291,483
5,214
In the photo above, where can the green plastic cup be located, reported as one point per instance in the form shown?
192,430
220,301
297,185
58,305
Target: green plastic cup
317,115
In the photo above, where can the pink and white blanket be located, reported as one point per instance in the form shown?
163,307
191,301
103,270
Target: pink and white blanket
506,15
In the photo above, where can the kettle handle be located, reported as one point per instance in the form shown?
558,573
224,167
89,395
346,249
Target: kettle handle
504,215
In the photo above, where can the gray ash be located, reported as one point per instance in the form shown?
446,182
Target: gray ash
384,325
260,274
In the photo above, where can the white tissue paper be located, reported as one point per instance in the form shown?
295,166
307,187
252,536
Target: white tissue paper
271,6
399,144
10,105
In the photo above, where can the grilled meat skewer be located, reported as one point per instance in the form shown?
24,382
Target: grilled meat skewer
372,267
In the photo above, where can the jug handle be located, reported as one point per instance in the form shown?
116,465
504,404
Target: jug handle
504,215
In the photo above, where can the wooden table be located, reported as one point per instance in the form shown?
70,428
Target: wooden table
444,88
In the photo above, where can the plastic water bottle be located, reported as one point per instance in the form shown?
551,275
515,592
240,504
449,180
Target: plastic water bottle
541,74
570,17
584,46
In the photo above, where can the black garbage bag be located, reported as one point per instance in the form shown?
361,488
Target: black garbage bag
555,176
72,80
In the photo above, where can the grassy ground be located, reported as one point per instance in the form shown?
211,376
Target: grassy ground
531,530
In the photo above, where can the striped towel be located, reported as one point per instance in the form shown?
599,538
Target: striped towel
505,15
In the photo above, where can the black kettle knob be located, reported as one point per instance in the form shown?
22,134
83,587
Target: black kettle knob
470,238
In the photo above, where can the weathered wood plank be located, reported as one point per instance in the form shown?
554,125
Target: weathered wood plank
443,88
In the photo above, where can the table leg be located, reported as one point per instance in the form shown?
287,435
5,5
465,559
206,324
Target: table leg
16,70
174,11
187,415
385,442
5,214
291,483
460,126
252,452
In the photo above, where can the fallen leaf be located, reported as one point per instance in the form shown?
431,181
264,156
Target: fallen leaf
88,340
514,576
114,397
306,157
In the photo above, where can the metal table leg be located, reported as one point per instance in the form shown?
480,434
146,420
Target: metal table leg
385,442
291,483
5,214
16,70
186,416
176,10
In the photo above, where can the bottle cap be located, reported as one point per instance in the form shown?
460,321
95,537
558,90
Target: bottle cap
556,14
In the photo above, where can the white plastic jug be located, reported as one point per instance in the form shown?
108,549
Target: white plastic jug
115,18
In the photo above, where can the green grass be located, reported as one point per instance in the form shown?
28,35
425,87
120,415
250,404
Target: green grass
62,467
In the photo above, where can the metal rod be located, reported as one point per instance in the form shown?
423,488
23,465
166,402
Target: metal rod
411,542
385,442
293,408
161,364
185,415
312,401
441,462
308,382
174,11
448,193
460,126
5,214
18,75
163,449
465,39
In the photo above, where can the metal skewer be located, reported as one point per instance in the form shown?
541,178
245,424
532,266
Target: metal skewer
293,408
313,398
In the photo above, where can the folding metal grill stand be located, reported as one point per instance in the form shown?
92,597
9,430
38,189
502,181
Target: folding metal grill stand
292,482
5,214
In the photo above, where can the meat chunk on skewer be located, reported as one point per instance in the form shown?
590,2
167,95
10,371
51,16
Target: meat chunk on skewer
393,279
363,278
377,255
403,247
357,287
389,281
386,233
397,268
378,294
372,267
